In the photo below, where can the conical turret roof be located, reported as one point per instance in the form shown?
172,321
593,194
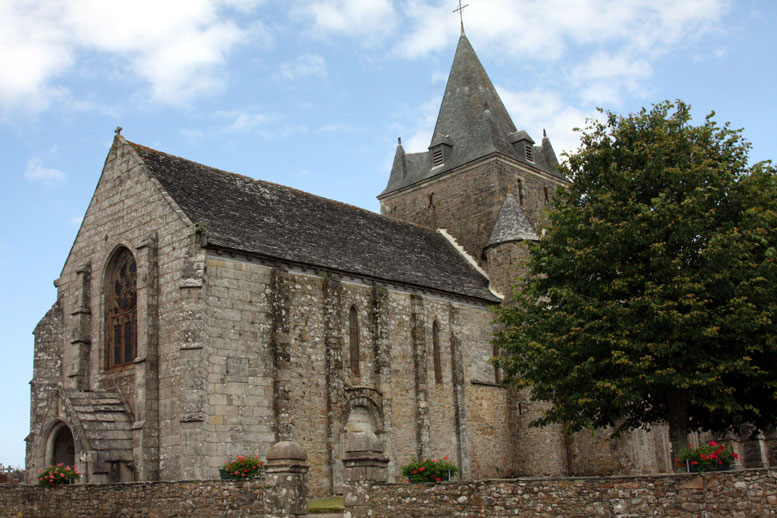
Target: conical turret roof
511,224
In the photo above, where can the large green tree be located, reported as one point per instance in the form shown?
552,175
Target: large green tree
652,296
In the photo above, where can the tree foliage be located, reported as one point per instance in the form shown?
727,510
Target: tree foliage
653,295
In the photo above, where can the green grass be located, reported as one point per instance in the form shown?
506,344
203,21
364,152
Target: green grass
333,504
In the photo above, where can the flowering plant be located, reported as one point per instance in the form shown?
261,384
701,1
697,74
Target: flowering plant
243,467
58,475
429,470
707,457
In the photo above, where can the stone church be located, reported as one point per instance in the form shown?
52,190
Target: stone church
202,314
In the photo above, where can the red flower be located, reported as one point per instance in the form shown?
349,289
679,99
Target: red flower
445,458
438,479
694,462
415,472
421,468
735,455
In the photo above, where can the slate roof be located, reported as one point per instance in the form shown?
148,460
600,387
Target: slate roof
511,224
473,121
279,222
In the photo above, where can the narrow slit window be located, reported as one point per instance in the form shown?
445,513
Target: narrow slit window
353,334
436,352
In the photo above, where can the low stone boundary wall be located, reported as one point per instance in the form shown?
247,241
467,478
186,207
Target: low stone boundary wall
191,499
731,494
282,494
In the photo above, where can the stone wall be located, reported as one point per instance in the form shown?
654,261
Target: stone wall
127,210
466,202
279,367
193,499
733,494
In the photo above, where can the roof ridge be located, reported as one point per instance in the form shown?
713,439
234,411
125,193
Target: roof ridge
287,187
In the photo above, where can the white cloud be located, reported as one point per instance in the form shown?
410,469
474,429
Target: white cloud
36,172
605,75
244,120
266,125
603,47
369,20
176,46
304,66
421,132
537,110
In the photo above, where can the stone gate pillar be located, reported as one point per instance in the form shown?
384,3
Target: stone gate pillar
365,464
286,481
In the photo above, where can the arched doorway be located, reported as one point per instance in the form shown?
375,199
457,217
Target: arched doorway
63,447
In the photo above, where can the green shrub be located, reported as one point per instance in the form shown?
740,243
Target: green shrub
705,458
243,467
58,475
430,470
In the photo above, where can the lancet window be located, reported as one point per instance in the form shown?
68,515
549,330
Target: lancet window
353,334
121,313
436,352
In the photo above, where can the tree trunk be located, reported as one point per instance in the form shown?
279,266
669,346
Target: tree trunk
677,410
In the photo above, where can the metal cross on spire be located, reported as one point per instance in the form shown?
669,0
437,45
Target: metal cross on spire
461,15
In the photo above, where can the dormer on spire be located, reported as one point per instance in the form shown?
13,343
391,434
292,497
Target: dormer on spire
440,150
523,145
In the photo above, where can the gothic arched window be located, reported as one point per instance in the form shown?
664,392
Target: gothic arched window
121,313
436,352
353,335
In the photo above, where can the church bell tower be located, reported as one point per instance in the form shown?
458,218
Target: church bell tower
482,180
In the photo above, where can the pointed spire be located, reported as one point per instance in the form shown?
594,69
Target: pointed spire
511,224
548,153
399,167
468,92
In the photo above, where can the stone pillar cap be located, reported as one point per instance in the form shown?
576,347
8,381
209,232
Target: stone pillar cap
286,450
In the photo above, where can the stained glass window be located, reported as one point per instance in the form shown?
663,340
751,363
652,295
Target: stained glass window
121,315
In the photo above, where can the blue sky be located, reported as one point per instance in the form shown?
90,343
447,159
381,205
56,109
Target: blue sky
313,94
